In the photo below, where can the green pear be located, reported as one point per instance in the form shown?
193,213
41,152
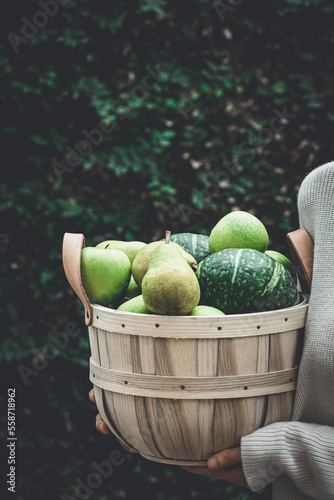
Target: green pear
279,257
133,289
170,285
105,274
131,248
206,311
135,305
142,259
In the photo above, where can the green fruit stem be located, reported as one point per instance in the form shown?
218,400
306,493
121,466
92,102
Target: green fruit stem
192,265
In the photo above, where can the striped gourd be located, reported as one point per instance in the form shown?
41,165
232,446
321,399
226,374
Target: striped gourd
195,244
245,280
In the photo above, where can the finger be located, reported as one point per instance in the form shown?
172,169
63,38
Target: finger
232,474
91,396
101,426
104,429
225,458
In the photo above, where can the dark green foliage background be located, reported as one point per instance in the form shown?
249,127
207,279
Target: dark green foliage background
180,157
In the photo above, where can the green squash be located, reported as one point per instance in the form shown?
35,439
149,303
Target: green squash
245,280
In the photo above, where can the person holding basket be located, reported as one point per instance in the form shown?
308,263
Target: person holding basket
296,456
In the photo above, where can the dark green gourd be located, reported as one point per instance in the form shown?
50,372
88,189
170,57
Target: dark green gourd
195,244
244,280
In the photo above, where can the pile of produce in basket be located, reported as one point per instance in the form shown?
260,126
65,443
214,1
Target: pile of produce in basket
229,272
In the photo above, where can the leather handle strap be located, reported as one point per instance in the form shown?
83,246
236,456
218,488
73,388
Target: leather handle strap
73,243
302,251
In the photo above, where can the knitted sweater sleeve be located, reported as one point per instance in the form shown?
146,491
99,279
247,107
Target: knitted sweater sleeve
305,452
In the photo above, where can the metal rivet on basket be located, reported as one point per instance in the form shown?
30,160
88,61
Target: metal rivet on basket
290,379
258,327
97,317
182,387
94,375
286,319
123,326
157,325
245,388
126,382
219,327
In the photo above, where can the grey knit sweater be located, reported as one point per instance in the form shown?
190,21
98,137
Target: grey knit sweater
298,456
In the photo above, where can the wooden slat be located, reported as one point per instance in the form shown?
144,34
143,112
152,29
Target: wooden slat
229,326
285,351
207,366
127,411
101,396
193,387
240,356
179,430
170,461
94,345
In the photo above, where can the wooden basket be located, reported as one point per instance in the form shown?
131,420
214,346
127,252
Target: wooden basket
179,389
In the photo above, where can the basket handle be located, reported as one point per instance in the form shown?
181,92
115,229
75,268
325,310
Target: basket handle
302,251
73,243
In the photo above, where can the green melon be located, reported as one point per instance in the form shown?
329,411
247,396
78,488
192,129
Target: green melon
195,244
245,280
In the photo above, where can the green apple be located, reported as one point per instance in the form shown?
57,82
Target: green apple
135,305
133,289
238,230
105,274
206,311
131,248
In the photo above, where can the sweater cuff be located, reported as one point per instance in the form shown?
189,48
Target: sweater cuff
261,454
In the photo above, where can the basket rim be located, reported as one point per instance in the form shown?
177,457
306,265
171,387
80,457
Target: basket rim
233,325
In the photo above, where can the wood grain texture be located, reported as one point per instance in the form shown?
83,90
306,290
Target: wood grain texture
176,391
221,387
234,325
103,398
284,351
